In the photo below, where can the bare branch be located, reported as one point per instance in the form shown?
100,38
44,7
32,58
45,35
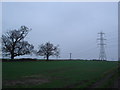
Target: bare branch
48,50
14,44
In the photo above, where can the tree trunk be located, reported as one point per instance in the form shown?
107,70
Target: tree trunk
47,57
12,56
12,52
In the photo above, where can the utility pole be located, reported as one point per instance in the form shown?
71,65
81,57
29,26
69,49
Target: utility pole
102,55
70,55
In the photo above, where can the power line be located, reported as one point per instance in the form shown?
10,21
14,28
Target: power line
102,55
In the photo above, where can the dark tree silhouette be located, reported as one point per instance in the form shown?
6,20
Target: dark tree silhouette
13,43
48,49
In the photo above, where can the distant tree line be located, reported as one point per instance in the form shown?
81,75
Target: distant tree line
13,44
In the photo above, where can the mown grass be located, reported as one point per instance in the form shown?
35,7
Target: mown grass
75,74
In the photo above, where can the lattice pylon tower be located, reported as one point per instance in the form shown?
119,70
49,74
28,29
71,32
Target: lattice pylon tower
102,54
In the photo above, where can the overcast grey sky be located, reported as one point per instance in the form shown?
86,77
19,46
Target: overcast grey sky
72,25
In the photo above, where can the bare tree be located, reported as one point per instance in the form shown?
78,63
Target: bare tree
13,43
48,49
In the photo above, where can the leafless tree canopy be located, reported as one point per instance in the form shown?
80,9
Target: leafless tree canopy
13,43
48,49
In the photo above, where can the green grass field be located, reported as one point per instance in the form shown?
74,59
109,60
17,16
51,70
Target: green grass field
54,74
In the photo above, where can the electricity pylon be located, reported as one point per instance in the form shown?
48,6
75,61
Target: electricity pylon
102,54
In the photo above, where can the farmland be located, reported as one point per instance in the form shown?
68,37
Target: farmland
55,74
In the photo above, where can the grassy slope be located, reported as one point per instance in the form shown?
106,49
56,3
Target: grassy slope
60,73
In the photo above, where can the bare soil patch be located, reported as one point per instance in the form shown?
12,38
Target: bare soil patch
27,80
76,84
